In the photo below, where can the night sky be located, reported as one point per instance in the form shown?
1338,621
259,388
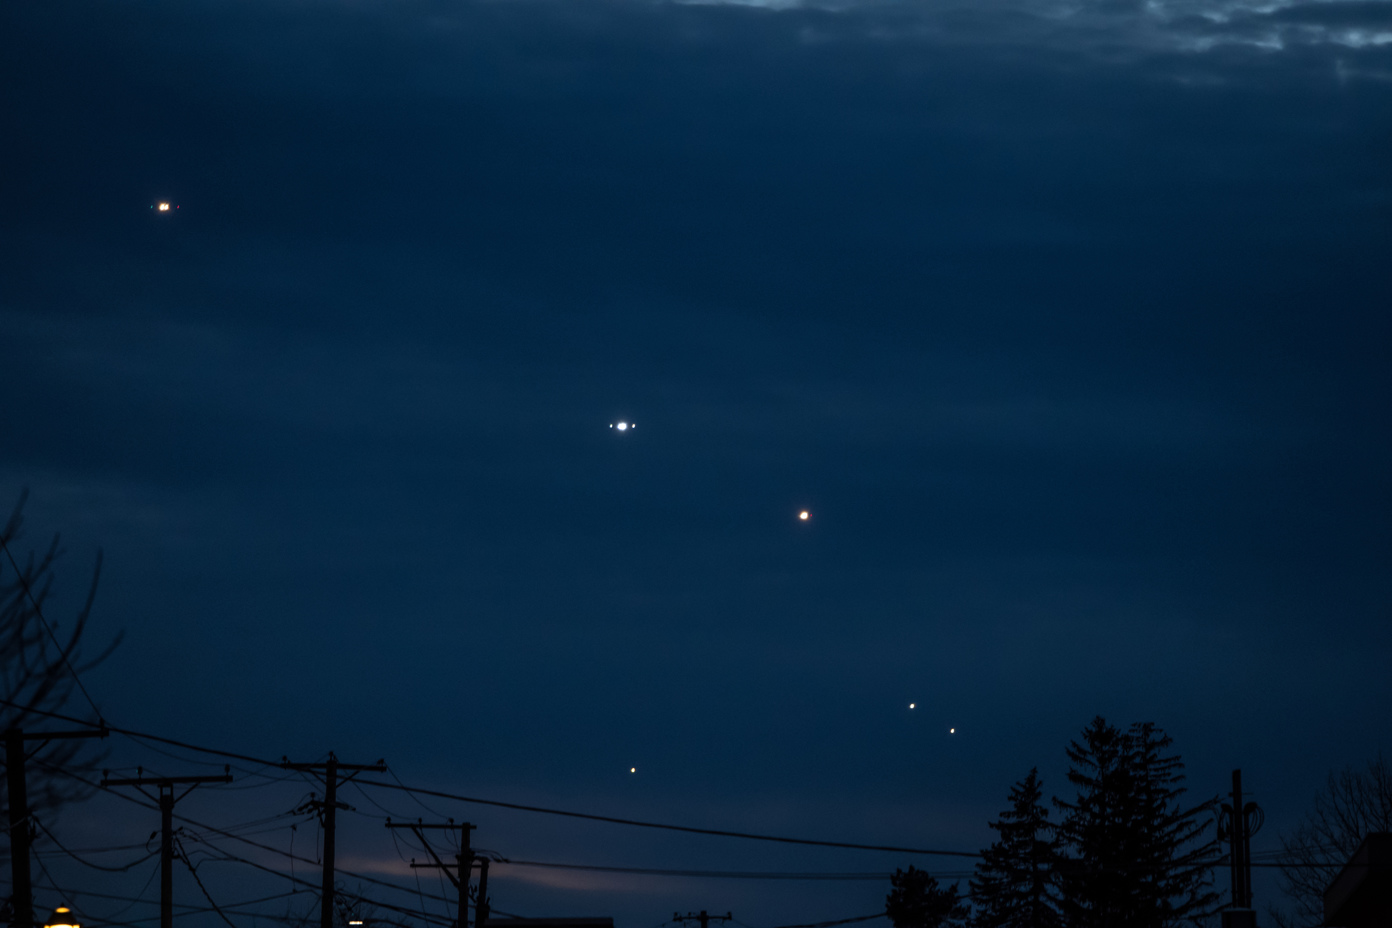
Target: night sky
1070,324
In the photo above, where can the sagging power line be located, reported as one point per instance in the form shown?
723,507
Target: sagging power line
587,816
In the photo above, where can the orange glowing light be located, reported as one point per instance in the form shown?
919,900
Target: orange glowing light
62,918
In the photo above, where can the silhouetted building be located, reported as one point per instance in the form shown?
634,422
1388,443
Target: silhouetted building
1238,918
1361,895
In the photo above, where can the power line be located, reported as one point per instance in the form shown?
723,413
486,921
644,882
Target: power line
750,836
838,921
613,820
193,871
248,841
709,874
87,863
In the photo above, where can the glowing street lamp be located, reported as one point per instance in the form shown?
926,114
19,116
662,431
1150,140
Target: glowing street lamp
62,918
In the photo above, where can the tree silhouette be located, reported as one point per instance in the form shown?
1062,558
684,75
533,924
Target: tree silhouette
916,901
1136,856
1095,829
39,663
1016,882
1173,857
1351,804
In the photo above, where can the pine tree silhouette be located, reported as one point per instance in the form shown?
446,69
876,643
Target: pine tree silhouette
1016,881
916,901
1175,875
1135,856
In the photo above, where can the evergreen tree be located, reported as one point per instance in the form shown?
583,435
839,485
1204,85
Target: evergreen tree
916,901
1172,855
1096,828
1138,857
1016,882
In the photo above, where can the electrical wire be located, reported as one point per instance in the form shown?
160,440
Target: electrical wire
838,921
718,874
414,797
416,791
670,827
112,848
193,871
87,863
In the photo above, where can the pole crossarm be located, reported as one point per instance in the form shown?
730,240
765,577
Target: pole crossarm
331,771
462,869
167,799
17,795
704,917
165,781
439,864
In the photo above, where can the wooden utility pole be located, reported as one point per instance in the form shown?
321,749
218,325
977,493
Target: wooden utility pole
464,864
330,772
166,806
481,907
1237,822
21,836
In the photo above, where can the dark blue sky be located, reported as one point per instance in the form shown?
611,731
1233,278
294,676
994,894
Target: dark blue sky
1068,322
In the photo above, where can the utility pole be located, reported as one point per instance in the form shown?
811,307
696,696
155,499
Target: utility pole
1237,822
464,863
331,769
166,806
481,907
701,917
22,898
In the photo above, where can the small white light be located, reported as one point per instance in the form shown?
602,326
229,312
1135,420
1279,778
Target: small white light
632,769
355,921
911,705
164,207
952,731
804,515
